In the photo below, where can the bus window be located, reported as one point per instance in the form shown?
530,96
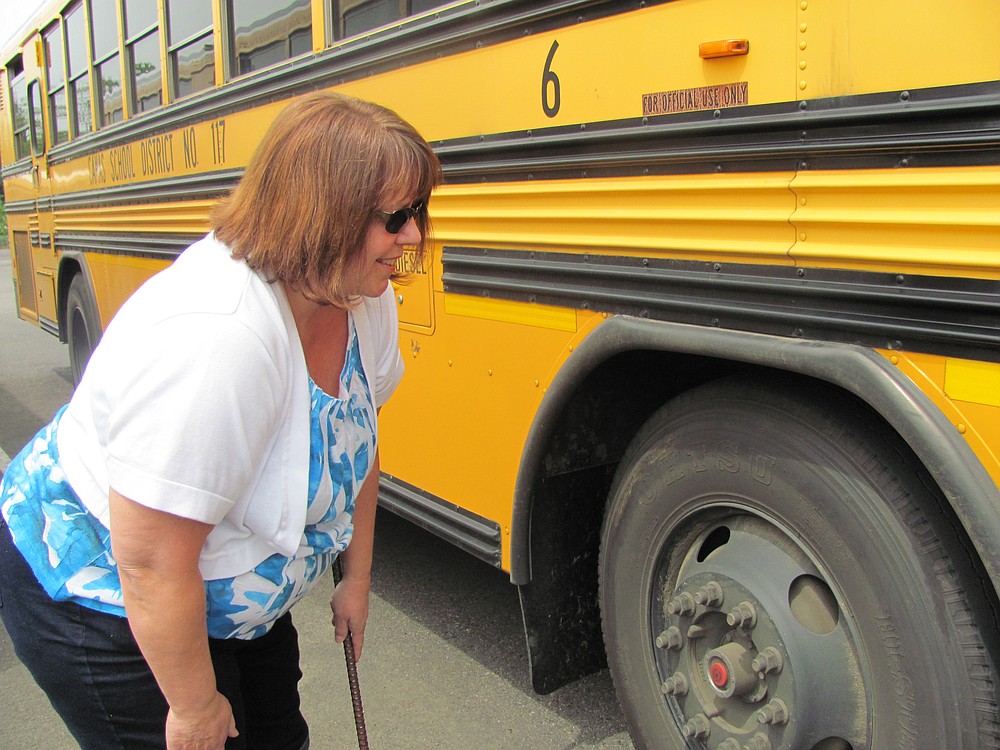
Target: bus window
191,48
35,114
107,66
19,109
362,16
359,16
80,120
142,56
266,35
58,115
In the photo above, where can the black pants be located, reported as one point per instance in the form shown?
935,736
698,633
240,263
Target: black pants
97,680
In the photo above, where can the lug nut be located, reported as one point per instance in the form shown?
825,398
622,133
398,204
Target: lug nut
768,660
670,638
675,684
682,604
697,631
710,595
729,744
697,728
775,712
743,615
758,742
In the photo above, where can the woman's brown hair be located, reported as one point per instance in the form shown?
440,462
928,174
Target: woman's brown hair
302,211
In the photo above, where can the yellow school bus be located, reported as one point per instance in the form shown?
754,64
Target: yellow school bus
706,353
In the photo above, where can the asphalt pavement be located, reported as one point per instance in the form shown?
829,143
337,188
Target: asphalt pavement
444,665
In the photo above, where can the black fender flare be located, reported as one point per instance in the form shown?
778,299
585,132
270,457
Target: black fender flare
948,458
76,258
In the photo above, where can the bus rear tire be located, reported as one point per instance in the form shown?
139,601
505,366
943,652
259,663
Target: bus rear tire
83,326
776,568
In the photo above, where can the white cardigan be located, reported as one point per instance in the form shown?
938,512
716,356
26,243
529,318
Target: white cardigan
196,402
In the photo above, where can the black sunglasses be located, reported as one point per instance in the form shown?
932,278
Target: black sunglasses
396,220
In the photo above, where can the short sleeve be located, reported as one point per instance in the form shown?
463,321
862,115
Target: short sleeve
192,415
385,361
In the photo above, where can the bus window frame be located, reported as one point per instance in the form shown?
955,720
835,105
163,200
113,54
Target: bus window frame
130,39
73,77
173,47
14,80
36,118
231,55
114,58
63,88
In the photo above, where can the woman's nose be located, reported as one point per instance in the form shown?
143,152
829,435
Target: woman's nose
410,233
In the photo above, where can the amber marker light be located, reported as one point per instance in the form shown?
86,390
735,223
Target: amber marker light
723,48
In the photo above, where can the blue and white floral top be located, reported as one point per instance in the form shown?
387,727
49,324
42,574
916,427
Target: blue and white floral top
69,550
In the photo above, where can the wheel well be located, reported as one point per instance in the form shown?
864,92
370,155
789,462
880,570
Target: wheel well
576,468
584,441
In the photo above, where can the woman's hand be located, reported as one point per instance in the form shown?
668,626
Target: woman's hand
350,611
206,729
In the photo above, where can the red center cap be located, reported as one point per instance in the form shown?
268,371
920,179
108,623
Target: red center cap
718,673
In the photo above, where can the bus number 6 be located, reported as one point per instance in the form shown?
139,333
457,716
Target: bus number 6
548,77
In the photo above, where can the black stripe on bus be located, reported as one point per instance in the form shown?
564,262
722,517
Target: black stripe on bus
207,186
473,533
957,317
944,126
159,246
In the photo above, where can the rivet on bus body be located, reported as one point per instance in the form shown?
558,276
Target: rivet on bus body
803,28
803,201
537,384
802,237
804,5
894,359
449,363
802,64
802,44
961,428
490,373
802,85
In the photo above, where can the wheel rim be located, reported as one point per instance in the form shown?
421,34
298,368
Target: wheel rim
751,640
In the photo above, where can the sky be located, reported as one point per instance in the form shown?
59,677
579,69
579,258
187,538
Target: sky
13,14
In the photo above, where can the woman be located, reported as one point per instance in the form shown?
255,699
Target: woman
221,450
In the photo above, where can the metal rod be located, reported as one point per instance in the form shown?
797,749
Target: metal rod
352,673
